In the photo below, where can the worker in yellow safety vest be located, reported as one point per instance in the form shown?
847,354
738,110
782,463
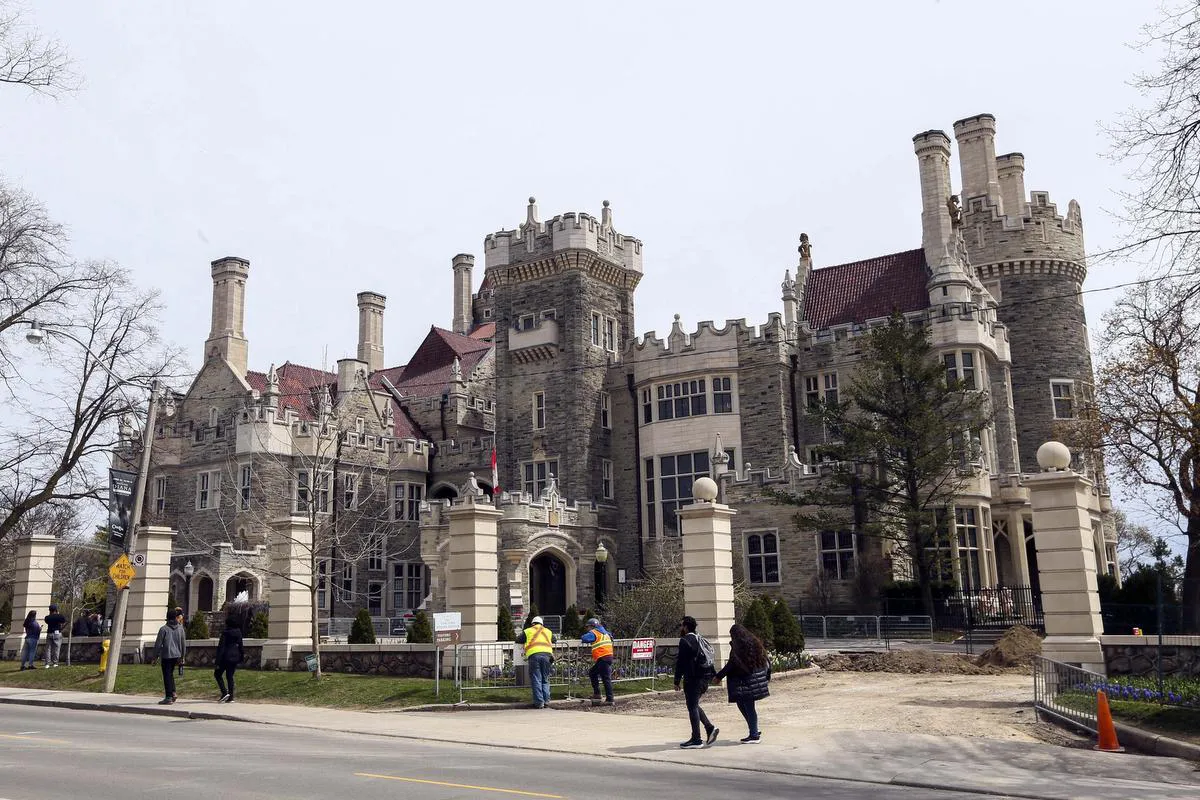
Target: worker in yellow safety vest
539,654
602,658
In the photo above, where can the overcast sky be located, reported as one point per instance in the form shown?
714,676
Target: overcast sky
362,147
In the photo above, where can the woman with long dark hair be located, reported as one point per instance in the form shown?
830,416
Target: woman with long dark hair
33,632
749,672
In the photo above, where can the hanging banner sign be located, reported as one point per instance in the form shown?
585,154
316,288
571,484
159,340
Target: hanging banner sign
120,506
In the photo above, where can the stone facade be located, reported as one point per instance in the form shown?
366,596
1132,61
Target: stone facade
598,434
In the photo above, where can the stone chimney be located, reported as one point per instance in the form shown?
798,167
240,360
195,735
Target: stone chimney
347,372
1010,170
227,338
933,160
463,318
370,330
976,137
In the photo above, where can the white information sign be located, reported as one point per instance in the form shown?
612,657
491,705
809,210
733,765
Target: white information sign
447,621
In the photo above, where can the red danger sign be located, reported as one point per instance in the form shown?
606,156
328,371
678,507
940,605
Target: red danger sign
643,649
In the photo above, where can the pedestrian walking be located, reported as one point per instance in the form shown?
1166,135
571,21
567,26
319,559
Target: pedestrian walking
169,648
539,655
694,669
33,632
602,658
230,653
54,626
80,626
749,672
94,624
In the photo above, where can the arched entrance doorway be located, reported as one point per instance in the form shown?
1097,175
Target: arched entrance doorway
548,584
204,593
236,585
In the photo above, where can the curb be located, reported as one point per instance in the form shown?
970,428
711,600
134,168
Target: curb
79,705
1155,744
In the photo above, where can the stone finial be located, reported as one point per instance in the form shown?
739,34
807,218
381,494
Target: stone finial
531,212
1054,457
704,490
389,418
456,371
720,459
805,247
788,285
472,488
606,215
273,379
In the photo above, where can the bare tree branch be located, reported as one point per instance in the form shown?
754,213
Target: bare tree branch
27,59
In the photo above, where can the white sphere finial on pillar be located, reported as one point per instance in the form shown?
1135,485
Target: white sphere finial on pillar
704,490
1053,457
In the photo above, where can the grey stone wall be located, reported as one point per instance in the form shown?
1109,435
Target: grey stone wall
402,661
1142,659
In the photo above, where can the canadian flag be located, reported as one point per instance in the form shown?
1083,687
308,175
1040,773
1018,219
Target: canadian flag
495,476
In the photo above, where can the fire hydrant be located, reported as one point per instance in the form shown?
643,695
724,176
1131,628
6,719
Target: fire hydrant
104,654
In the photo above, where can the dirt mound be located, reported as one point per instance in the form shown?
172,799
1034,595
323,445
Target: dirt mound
903,661
1016,648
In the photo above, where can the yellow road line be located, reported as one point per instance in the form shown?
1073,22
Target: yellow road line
459,785
32,738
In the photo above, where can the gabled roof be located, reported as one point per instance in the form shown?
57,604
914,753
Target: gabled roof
486,331
863,290
429,371
296,392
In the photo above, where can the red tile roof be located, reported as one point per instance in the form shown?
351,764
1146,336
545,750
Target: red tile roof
296,392
863,290
429,371
485,331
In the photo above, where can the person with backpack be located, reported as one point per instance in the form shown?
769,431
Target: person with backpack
749,672
694,668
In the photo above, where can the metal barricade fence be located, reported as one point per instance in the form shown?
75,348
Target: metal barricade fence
1066,692
499,665
864,626
908,627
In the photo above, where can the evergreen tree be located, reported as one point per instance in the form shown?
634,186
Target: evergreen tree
788,637
198,627
421,631
572,625
907,441
259,627
6,614
758,621
362,631
504,624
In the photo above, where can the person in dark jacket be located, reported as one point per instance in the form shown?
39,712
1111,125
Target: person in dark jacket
33,632
170,648
80,627
230,653
694,682
54,628
94,624
749,672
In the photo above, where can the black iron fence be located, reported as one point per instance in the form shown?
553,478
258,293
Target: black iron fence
997,608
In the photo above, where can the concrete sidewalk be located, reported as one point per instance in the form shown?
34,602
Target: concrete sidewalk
935,762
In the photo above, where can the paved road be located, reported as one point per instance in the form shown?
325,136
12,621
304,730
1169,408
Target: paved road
46,754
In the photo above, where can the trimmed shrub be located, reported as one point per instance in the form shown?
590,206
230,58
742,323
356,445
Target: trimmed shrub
789,638
421,631
198,627
259,627
504,624
572,625
758,621
362,632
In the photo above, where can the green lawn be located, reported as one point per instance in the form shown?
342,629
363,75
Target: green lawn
332,691
1172,721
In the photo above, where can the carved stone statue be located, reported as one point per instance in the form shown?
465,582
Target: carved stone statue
456,370
955,210
805,246
126,427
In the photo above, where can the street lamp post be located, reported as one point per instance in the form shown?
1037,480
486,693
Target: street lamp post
601,573
36,335
188,572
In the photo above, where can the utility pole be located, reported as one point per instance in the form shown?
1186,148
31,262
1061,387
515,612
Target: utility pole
118,628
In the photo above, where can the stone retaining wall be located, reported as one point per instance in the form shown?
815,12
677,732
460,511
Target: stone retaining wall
400,660
1138,655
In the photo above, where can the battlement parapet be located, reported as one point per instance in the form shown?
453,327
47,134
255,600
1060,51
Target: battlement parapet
707,338
573,230
1036,231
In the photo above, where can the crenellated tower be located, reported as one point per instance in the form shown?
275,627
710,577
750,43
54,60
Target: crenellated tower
563,298
1031,259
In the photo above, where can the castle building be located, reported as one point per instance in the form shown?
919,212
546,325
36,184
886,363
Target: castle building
590,437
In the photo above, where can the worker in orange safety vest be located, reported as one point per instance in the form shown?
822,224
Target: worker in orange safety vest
602,658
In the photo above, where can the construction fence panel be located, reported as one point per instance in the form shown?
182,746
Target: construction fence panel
1066,692
501,665
907,627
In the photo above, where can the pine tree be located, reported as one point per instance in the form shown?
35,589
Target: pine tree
362,631
421,631
198,627
572,625
259,627
504,624
758,621
788,637
907,442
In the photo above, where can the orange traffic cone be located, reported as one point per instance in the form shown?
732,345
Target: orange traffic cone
1104,724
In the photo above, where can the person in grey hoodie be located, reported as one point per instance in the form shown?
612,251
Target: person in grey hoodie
169,648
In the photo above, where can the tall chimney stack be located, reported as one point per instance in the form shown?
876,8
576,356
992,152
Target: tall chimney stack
370,330
976,138
933,160
227,339
463,318
1010,168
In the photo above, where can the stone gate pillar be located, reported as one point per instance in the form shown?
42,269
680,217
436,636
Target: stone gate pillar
708,565
33,583
150,590
1062,533
290,617
473,565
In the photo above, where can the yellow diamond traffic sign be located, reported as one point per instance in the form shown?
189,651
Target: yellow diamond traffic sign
121,572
